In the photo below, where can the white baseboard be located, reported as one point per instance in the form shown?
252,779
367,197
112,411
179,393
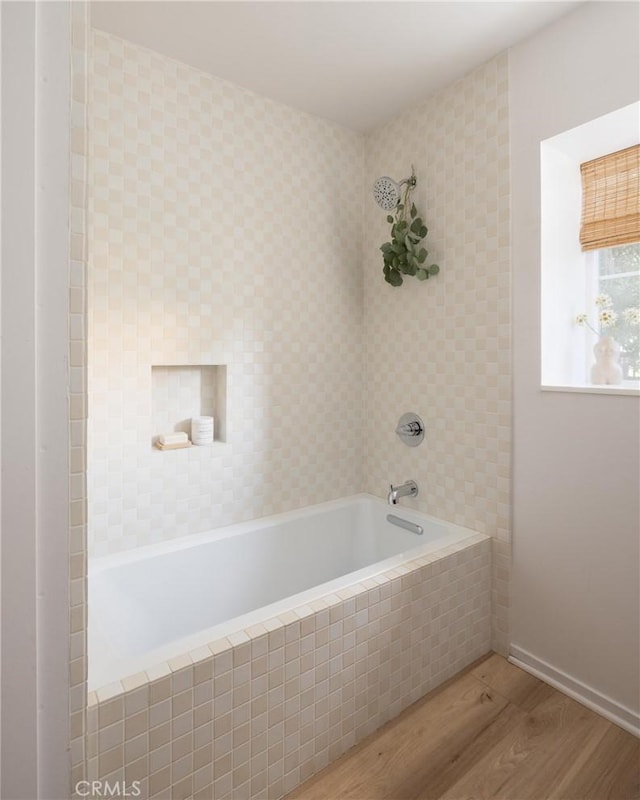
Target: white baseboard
600,703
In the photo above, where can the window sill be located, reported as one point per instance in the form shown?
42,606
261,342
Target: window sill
632,391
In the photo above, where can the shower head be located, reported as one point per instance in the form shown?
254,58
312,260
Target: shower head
386,191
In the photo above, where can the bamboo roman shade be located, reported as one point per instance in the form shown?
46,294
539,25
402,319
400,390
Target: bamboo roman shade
611,199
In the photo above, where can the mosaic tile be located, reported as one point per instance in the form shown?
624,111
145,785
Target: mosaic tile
168,147
213,240
188,729
442,347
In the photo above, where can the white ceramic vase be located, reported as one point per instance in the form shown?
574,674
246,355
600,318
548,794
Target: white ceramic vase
607,370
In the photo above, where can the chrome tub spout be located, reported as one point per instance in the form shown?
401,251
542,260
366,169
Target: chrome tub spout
407,489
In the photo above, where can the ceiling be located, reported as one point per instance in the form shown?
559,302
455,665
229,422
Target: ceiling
357,63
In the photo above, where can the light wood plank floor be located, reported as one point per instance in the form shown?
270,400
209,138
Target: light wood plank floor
493,732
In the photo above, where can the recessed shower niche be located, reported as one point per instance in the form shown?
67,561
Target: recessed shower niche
183,391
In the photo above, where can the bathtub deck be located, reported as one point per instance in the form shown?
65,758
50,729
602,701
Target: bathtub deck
493,731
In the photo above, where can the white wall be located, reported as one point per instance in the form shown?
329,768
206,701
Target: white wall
35,378
576,456
19,726
0,401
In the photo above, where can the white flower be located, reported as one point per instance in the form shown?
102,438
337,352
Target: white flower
632,315
607,317
581,319
603,301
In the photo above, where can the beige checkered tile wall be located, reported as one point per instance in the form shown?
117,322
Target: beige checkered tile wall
213,240
442,348
224,229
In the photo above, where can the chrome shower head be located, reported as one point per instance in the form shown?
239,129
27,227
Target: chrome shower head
386,191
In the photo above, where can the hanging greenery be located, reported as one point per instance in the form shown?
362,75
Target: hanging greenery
404,254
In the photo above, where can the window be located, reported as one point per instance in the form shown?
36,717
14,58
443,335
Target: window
607,260
614,272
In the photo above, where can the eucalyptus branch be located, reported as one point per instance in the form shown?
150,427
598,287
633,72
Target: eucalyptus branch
404,254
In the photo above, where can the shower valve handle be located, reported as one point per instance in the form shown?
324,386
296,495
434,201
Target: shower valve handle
409,429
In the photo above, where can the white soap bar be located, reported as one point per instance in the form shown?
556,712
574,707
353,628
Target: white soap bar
176,437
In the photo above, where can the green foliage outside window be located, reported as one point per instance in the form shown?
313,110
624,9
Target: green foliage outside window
619,277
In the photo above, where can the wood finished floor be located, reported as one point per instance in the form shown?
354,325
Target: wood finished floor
492,732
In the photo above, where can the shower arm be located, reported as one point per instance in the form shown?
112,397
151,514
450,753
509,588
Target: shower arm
410,181
410,184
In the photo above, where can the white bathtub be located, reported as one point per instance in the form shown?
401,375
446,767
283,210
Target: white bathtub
155,603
